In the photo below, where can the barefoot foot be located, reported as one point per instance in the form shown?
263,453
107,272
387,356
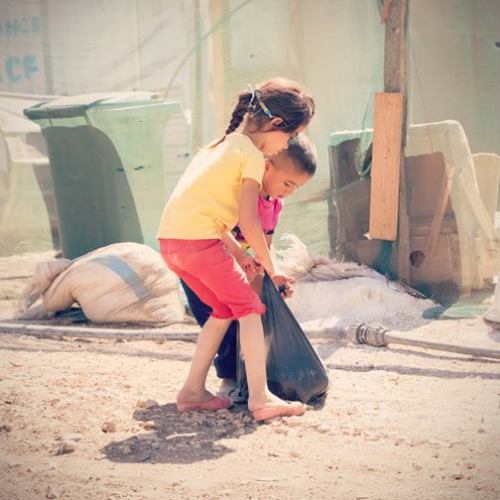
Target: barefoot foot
204,401
214,404
287,409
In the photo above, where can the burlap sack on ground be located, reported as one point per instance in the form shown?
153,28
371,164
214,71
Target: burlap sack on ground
123,282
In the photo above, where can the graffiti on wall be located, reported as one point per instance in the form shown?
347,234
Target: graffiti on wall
20,51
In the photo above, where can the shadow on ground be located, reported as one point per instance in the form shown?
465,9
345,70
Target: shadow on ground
181,438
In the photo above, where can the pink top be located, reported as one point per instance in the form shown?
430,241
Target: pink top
268,211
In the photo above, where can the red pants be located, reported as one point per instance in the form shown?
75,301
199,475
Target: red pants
215,277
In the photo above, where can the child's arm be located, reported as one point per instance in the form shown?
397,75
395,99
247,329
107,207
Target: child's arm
250,224
245,261
232,244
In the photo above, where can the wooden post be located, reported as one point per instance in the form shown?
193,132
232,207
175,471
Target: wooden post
221,63
395,78
197,115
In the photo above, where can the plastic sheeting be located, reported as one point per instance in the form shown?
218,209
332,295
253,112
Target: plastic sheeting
200,53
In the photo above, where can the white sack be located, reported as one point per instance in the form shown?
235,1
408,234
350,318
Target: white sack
43,276
123,282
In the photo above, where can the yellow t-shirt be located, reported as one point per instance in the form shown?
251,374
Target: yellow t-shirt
205,202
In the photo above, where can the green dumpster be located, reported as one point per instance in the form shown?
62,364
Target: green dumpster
106,157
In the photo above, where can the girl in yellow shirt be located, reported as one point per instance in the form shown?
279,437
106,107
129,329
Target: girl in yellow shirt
219,188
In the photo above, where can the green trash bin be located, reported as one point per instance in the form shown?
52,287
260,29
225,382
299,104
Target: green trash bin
106,157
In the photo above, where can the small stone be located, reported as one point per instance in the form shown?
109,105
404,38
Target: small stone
149,425
72,437
481,431
5,428
125,449
457,476
140,403
108,427
293,421
49,493
64,448
281,430
150,403
322,429
197,417
469,465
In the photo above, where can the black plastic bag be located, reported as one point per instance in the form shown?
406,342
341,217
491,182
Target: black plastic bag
294,369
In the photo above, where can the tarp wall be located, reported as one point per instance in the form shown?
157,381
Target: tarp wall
203,51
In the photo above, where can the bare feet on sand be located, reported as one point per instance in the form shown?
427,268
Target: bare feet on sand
202,401
275,407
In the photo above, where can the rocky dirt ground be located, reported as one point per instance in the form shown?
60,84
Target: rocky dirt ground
91,419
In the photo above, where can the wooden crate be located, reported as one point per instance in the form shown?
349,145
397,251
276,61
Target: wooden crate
349,221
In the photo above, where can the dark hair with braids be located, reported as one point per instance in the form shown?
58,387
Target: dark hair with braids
303,154
239,111
275,98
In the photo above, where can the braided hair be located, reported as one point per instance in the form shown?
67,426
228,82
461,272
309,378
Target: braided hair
241,108
275,98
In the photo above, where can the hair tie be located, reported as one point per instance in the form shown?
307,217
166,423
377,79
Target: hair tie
254,94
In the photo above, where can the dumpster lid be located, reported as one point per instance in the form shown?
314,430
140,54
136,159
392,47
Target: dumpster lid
77,105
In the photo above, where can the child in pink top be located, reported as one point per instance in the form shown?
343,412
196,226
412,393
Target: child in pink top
269,209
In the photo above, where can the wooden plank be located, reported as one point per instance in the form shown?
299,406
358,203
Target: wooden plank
437,219
385,171
439,268
455,260
403,246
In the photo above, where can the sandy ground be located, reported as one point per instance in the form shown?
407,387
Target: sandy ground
397,422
